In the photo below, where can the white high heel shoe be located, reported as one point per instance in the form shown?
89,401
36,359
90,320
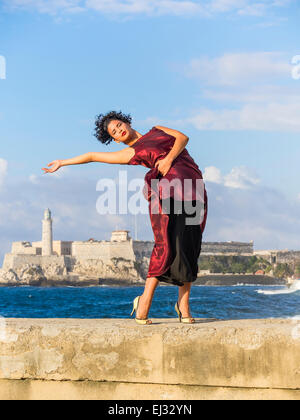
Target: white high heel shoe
187,320
139,321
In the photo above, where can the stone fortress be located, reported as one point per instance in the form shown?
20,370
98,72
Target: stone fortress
88,262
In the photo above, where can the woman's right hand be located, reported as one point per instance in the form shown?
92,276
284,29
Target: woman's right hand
54,166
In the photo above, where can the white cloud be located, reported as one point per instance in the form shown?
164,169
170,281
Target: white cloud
150,121
257,89
212,174
255,94
238,69
246,7
239,177
271,117
256,9
150,7
51,7
258,213
3,171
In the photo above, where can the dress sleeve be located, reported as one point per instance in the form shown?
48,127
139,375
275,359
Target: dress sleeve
135,160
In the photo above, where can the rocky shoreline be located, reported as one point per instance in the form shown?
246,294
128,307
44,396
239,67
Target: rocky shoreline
72,281
36,276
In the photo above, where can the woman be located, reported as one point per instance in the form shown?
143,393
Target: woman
177,244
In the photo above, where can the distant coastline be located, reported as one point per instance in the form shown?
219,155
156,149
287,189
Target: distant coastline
239,279
204,280
122,261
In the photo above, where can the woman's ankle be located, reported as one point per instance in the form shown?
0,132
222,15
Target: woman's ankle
143,307
184,308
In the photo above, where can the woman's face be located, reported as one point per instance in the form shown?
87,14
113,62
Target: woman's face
120,131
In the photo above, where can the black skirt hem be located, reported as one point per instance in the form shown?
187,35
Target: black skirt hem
185,242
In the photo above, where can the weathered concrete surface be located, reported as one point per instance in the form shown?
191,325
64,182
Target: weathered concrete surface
118,359
89,390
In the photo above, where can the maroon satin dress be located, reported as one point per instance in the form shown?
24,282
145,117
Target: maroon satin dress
177,247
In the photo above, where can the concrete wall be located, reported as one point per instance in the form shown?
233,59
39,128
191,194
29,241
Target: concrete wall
118,359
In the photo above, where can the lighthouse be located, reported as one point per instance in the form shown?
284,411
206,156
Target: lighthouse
47,238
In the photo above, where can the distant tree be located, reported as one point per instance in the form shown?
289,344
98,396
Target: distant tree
283,270
268,268
237,268
233,264
297,269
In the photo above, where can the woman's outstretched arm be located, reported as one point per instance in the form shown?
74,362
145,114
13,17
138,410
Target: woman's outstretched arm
119,157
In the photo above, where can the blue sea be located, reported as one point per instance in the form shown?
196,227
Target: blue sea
237,302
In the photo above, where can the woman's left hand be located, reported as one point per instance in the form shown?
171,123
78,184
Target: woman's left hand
163,165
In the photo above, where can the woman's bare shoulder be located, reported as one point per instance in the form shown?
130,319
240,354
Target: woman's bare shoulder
129,152
125,155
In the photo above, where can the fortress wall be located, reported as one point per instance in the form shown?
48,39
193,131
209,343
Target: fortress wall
20,248
288,256
62,247
8,262
143,248
122,250
118,359
267,255
103,250
37,244
59,247
227,247
91,250
16,262
220,258
232,248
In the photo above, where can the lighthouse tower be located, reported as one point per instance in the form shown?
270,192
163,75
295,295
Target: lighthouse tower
47,238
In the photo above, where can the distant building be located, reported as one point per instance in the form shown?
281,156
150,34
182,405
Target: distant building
120,235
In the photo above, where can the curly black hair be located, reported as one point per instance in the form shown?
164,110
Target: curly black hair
102,121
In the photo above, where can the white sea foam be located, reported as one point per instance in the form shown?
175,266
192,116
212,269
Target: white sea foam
295,287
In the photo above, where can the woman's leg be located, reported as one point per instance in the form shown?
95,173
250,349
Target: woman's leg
146,298
184,299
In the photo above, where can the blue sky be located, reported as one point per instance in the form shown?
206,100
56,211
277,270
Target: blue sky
218,70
